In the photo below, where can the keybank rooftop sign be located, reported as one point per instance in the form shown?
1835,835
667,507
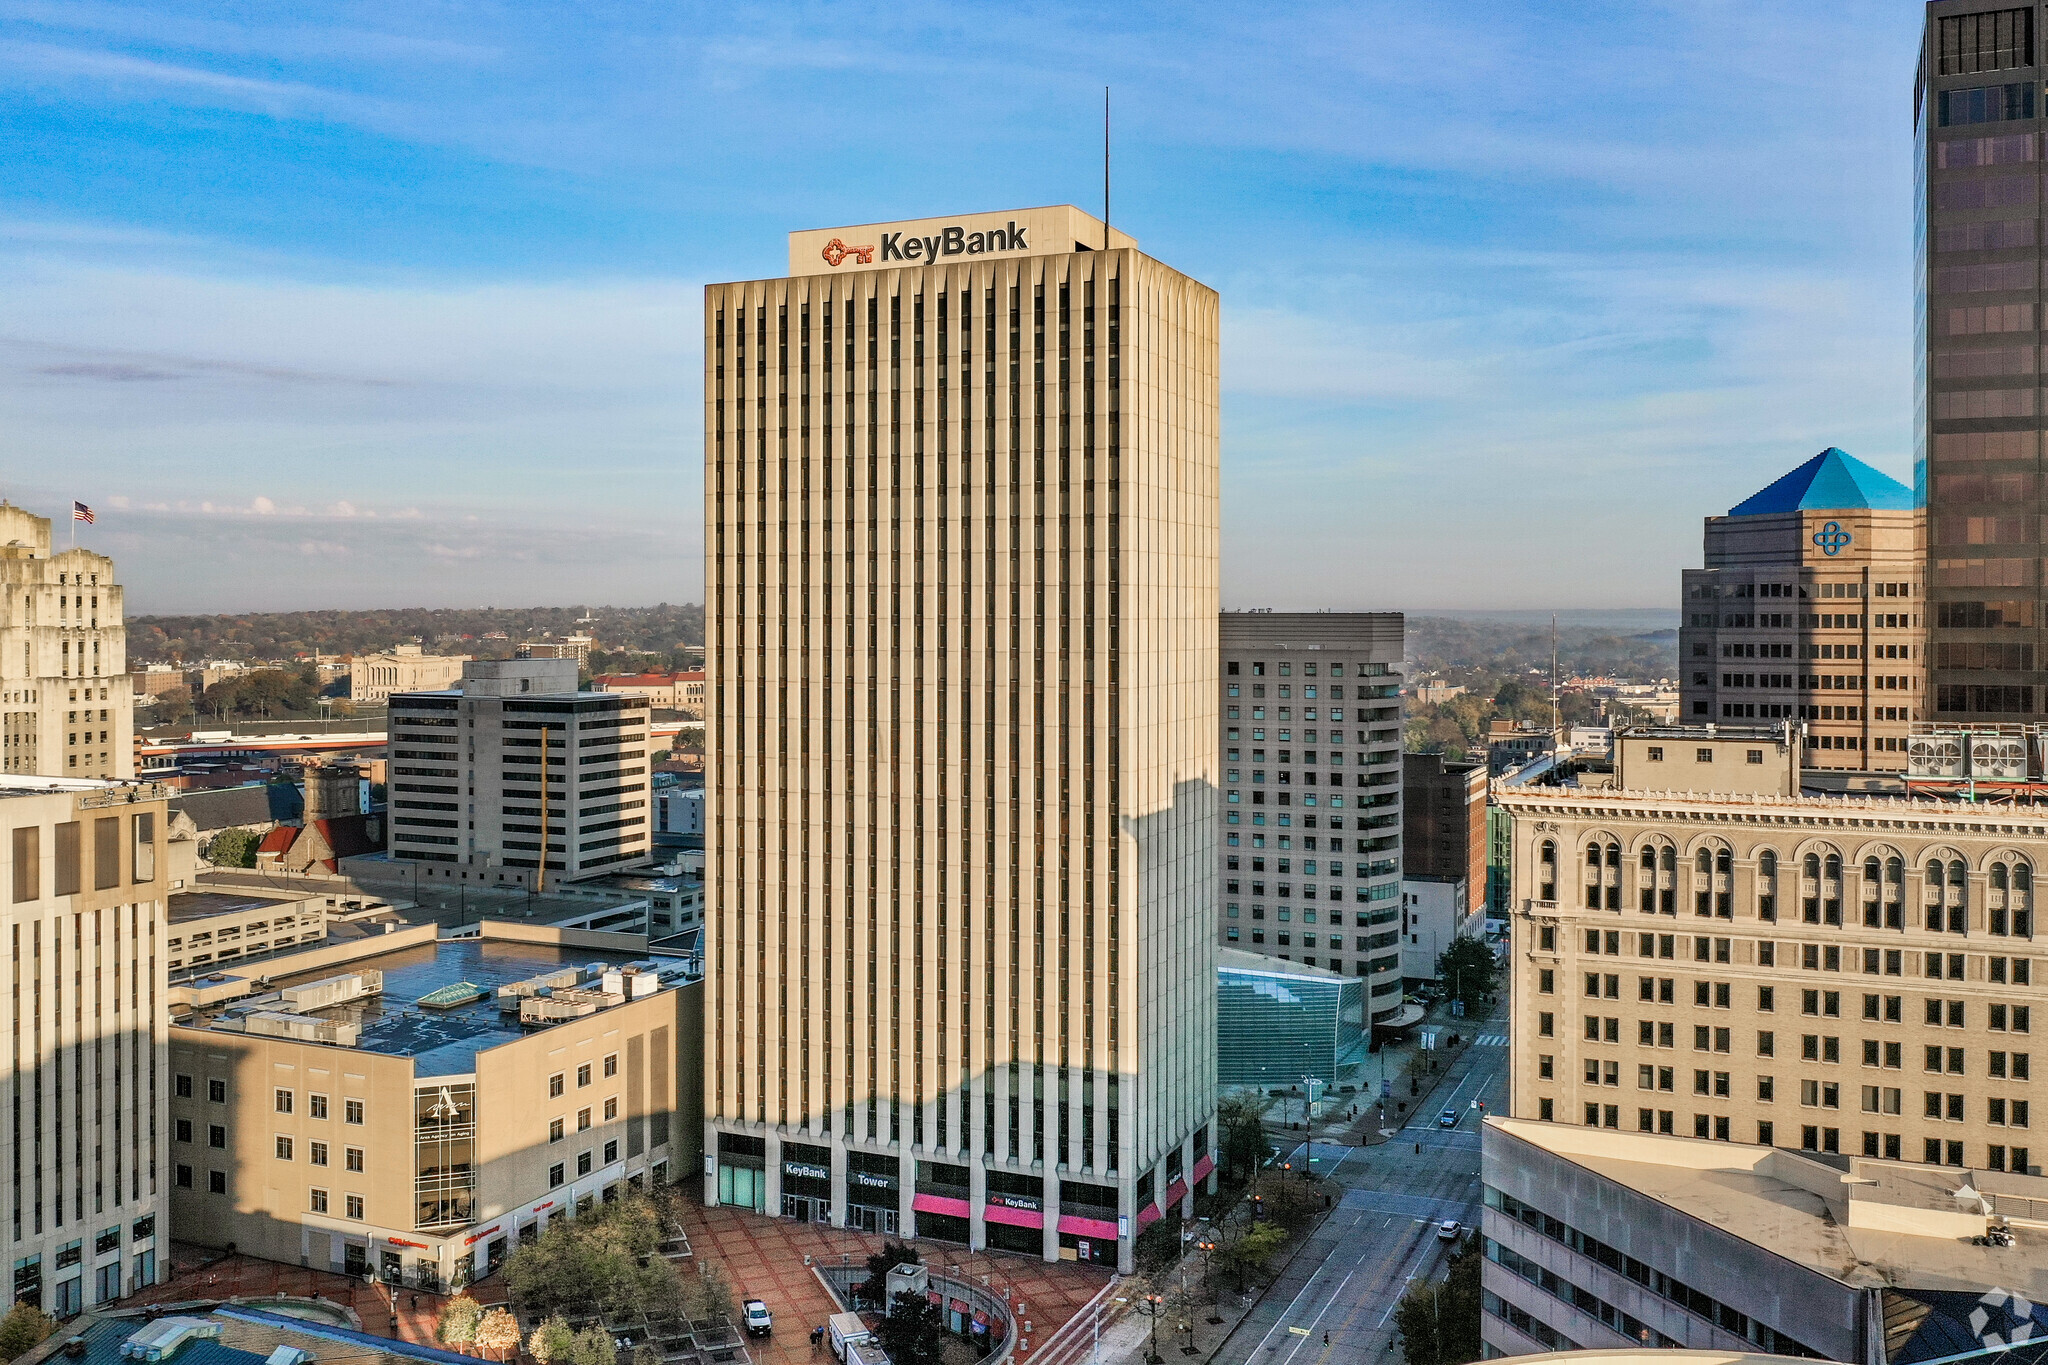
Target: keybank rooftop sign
1058,229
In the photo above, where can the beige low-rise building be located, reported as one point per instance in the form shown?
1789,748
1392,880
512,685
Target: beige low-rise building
372,678
424,1111
1609,1244
1848,975
83,867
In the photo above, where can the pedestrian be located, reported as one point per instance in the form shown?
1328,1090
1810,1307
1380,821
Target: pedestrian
1418,1149
1326,1338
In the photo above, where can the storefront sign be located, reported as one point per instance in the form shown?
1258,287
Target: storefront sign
1017,1201
476,1237
806,1170
872,1181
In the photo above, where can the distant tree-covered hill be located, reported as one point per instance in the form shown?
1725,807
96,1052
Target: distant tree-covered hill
658,629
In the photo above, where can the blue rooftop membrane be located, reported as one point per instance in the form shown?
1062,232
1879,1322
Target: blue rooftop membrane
248,1335
445,1042
1832,481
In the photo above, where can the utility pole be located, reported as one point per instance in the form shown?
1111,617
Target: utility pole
1553,675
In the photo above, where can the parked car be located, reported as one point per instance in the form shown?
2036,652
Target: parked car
1447,1119
758,1319
1448,1230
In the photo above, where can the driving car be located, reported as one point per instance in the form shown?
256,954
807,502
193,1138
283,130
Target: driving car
1448,1230
1447,1119
758,1319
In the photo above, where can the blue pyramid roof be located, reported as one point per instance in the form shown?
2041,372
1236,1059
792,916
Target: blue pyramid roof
1831,481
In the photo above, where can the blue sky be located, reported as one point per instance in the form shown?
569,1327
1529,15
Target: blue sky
399,304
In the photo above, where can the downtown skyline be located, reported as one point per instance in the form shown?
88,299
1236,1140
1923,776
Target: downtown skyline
362,309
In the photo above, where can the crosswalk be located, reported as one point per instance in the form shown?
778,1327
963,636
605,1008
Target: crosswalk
1490,1040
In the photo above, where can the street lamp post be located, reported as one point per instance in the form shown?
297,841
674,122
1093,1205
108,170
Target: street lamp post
1208,1248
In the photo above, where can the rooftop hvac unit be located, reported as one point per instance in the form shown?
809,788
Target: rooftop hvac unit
303,1027
1938,754
332,990
1998,758
908,1278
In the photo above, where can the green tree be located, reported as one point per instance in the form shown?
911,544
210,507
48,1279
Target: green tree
1439,1323
23,1329
552,1342
233,848
1469,969
875,1289
711,1296
593,1347
914,1331
1241,1121
602,1261
1250,1251
457,1323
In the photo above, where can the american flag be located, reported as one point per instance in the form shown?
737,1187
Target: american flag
80,512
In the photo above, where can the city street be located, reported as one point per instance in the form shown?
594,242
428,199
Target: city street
1382,1234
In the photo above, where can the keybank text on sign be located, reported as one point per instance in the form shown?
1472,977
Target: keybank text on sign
952,241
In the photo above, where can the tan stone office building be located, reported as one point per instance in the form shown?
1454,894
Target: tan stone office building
372,678
962,783
66,705
85,879
1839,975
1811,608
1312,792
422,1112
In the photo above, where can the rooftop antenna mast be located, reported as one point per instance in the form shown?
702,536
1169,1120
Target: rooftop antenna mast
1553,673
1105,168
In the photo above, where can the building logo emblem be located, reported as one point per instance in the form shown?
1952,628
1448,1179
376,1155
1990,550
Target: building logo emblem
2006,1309
836,251
1831,538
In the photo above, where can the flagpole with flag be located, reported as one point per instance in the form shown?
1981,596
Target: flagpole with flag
79,512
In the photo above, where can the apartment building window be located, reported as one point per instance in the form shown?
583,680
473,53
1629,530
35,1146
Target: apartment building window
582,1119
611,1108
181,1129
555,1086
1546,1025
216,1136
611,1151
284,1148
316,1153
583,1163
611,1064
216,1182
317,1200
1545,1111
354,1206
316,1106
583,1075
555,1129
181,1086
555,1175
216,1090
1766,1134
184,1177
283,1102
351,1111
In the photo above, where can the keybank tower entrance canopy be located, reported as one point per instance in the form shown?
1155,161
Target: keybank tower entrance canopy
961,530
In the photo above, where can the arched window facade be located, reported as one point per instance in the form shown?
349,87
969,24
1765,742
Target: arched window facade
1947,886
2011,908
1713,883
1820,891
1657,882
1603,871
1546,870
1884,891
1767,884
